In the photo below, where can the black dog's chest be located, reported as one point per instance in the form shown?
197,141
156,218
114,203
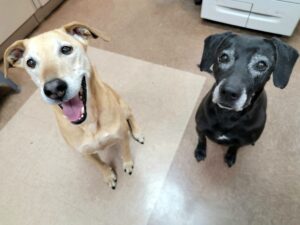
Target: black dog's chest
224,130
229,127
230,132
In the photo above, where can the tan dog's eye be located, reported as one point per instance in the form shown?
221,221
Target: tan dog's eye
31,63
66,50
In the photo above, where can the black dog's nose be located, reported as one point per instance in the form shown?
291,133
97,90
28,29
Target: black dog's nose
55,89
230,93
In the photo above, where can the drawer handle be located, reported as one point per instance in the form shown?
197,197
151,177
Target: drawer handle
233,11
265,18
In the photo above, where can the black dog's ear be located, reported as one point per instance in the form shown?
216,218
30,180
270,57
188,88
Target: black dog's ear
211,45
286,57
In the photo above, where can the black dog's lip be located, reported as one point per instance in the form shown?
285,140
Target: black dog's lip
84,100
224,106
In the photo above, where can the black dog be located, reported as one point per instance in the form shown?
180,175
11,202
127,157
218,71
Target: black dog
233,113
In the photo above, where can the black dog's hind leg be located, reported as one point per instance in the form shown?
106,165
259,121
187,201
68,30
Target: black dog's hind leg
230,156
200,151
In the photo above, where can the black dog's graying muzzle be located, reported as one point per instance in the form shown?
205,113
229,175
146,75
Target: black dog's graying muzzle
231,88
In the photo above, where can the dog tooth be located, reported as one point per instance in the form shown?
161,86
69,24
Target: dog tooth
82,110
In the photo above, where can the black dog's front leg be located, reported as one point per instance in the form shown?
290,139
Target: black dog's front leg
200,151
230,156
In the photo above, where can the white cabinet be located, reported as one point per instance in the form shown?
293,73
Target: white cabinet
275,16
13,13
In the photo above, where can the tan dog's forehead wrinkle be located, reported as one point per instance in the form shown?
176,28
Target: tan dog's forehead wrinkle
44,49
38,52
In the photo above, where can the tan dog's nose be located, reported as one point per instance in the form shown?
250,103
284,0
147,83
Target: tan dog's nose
55,89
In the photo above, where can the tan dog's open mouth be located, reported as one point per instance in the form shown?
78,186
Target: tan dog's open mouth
75,108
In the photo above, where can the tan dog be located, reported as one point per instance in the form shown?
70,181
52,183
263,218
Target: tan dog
90,115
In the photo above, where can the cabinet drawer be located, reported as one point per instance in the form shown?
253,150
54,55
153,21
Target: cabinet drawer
281,18
226,11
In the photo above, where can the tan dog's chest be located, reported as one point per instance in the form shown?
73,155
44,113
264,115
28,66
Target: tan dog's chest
100,141
95,136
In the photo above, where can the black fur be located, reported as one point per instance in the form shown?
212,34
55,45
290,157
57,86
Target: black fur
222,118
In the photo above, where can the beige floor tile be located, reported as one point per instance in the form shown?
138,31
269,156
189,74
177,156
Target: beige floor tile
44,182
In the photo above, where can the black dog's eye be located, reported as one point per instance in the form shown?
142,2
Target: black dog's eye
31,63
261,66
66,50
224,58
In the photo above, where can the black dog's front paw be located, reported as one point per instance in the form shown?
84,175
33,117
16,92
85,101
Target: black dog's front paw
200,151
200,154
230,156
230,159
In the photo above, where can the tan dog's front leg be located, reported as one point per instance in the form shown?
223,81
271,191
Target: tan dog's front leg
107,172
126,156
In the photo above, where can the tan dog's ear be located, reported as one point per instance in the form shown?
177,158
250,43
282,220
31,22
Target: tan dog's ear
13,55
83,32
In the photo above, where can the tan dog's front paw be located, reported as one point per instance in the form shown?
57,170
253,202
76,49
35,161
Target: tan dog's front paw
139,138
111,179
128,167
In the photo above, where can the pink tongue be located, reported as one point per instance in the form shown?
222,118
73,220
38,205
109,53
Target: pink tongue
72,108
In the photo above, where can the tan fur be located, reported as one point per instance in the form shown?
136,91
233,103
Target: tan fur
109,118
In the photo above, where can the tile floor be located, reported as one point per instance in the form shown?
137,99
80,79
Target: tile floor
262,188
